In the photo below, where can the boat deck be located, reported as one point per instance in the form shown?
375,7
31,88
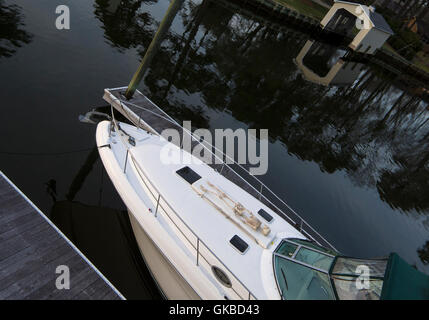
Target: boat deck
31,248
145,114
199,212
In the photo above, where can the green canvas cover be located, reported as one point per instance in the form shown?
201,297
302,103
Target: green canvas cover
404,282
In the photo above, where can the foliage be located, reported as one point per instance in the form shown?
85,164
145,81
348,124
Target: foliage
404,41
306,7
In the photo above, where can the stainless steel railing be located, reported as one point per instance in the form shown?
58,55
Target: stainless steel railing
262,191
203,254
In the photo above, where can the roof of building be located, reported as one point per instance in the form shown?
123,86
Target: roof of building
377,19
380,23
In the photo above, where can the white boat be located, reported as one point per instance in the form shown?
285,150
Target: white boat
203,237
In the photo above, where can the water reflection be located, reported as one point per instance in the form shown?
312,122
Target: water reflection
424,253
327,65
372,128
12,36
407,186
367,122
125,24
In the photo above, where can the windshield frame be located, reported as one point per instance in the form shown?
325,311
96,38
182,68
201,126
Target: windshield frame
313,246
303,264
333,274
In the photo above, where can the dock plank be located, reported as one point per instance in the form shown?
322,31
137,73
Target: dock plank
30,251
21,241
16,261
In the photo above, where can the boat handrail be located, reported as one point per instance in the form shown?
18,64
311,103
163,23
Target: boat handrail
157,198
299,223
158,205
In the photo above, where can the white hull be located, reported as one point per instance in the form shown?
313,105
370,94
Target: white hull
184,236
171,283
147,226
204,237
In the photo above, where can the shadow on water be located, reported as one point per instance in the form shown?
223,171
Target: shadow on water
104,235
12,35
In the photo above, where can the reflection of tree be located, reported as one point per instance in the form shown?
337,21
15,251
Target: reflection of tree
11,34
423,253
126,26
408,186
374,129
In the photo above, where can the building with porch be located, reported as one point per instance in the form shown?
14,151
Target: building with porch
368,29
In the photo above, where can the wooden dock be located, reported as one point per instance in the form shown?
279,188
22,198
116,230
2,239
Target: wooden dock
143,113
31,249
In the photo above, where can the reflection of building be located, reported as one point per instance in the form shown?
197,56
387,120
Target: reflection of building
323,64
368,28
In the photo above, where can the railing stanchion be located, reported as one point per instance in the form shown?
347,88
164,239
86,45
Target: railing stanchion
198,249
221,169
157,204
143,178
126,160
140,118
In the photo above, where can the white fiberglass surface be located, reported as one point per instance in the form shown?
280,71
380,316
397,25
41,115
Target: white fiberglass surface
213,228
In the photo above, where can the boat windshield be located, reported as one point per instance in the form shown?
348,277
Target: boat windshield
358,279
306,271
302,270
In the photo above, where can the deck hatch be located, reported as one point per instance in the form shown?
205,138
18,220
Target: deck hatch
188,174
264,214
239,244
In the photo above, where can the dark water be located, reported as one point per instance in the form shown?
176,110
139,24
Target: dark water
351,157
